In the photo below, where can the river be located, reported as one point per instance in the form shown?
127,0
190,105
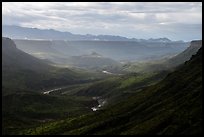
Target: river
101,102
48,92
109,73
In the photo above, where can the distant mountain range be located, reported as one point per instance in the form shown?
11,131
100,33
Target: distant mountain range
167,63
17,32
117,50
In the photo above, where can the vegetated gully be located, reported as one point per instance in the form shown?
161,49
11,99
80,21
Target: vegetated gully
101,102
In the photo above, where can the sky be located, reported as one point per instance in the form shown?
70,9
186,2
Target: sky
142,20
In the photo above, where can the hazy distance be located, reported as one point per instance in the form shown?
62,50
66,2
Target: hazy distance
174,20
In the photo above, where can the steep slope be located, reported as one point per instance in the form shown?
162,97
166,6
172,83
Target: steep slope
18,67
24,78
45,49
168,63
171,107
41,48
15,58
185,55
23,71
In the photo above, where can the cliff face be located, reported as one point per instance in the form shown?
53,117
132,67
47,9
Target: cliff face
186,54
12,57
7,43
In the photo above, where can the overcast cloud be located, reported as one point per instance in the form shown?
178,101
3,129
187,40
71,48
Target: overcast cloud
175,20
